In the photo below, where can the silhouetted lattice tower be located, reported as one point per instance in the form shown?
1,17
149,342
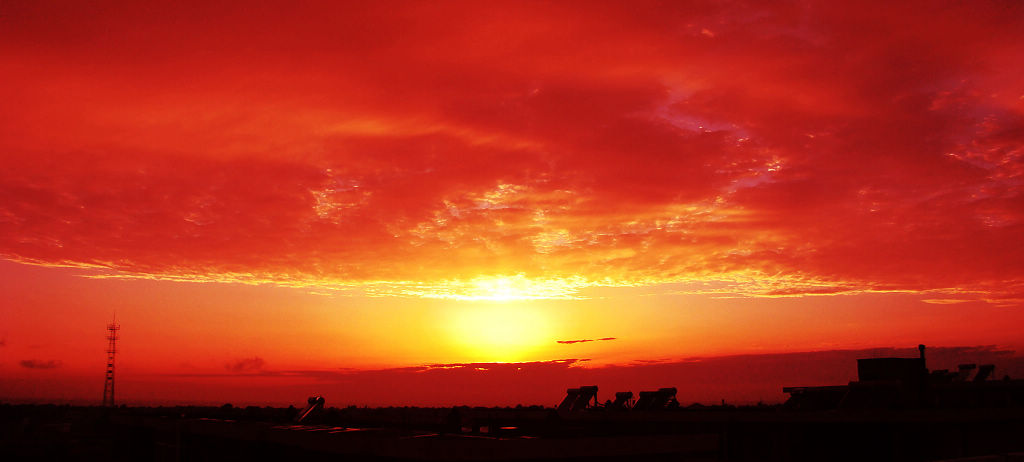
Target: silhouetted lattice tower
108,386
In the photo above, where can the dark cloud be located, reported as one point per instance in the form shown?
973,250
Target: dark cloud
40,364
245,365
737,378
585,340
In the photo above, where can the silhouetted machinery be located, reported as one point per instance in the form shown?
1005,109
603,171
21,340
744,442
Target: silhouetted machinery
623,400
655,400
894,383
578,399
315,404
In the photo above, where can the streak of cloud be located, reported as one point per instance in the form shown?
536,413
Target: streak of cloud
569,342
40,364
245,365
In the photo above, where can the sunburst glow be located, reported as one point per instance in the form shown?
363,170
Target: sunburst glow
499,288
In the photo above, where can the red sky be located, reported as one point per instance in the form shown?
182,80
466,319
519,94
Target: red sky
278,199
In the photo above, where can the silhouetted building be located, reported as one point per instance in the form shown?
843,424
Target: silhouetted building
896,383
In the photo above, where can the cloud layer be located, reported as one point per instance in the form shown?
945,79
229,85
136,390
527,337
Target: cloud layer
707,380
786,149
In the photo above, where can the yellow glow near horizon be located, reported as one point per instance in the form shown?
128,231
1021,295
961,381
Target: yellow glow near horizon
499,332
501,288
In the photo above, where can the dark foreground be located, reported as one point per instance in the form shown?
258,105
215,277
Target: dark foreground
358,434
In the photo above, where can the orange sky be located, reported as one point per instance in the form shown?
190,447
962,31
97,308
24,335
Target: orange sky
279,200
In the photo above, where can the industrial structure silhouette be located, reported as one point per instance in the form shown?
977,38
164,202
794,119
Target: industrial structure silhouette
108,383
897,409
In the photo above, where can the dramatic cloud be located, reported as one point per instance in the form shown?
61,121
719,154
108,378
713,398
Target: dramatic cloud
40,364
245,365
404,148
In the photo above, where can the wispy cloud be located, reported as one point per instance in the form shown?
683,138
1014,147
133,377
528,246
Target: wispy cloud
40,364
245,365
945,301
585,340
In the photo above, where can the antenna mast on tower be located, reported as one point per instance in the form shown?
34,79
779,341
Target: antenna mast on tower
108,385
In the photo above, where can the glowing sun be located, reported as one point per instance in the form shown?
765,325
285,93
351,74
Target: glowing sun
499,332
